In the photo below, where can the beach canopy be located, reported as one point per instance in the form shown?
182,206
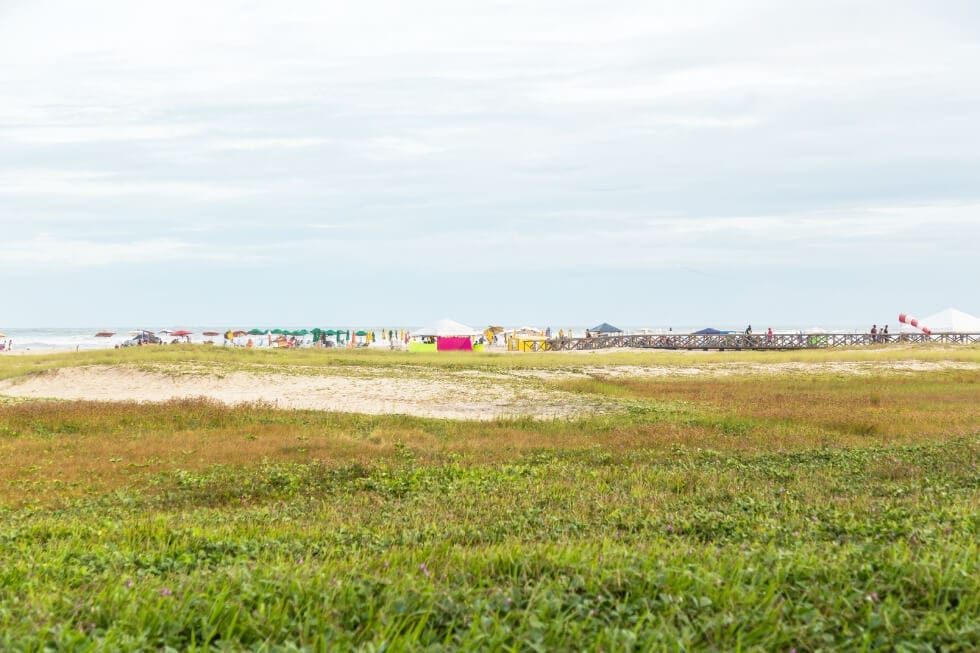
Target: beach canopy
445,328
256,332
210,333
605,327
180,333
951,321
100,334
708,332
529,331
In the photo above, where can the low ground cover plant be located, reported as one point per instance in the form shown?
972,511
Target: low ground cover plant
799,512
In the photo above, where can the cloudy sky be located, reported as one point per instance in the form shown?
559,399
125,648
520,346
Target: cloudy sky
548,162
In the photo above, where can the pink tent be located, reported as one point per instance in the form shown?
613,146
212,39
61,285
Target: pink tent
454,343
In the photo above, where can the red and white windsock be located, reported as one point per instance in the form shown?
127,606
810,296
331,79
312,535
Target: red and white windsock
913,322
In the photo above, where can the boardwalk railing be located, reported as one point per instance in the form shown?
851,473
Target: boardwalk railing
738,341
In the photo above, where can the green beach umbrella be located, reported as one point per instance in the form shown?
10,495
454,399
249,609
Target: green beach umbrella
301,332
278,332
330,332
256,332
361,333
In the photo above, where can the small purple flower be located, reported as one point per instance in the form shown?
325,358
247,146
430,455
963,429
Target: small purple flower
670,528
387,564
424,569
129,583
166,591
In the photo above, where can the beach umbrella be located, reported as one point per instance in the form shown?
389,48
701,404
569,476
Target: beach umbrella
301,332
239,333
278,332
330,332
256,332
361,333
211,333
180,333
100,334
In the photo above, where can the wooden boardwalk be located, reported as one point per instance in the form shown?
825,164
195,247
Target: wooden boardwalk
740,341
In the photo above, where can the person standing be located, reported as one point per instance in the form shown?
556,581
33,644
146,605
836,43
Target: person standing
874,333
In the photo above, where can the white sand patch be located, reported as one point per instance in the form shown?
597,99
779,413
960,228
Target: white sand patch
448,396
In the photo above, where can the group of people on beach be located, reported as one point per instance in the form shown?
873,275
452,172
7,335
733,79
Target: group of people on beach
769,333
879,335
6,345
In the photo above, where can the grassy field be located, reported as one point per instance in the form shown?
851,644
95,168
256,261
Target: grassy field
770,512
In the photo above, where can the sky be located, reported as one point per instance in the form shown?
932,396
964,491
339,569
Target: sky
550,163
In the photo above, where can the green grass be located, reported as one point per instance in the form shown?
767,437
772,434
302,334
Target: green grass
814,512
560,549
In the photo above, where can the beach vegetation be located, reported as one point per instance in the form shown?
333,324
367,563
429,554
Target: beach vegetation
729,512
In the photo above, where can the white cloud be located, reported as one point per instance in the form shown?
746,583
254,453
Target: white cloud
51,252
396,149
48,183
249,144
88,133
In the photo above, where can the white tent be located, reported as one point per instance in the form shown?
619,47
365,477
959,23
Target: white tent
950,321
445,328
